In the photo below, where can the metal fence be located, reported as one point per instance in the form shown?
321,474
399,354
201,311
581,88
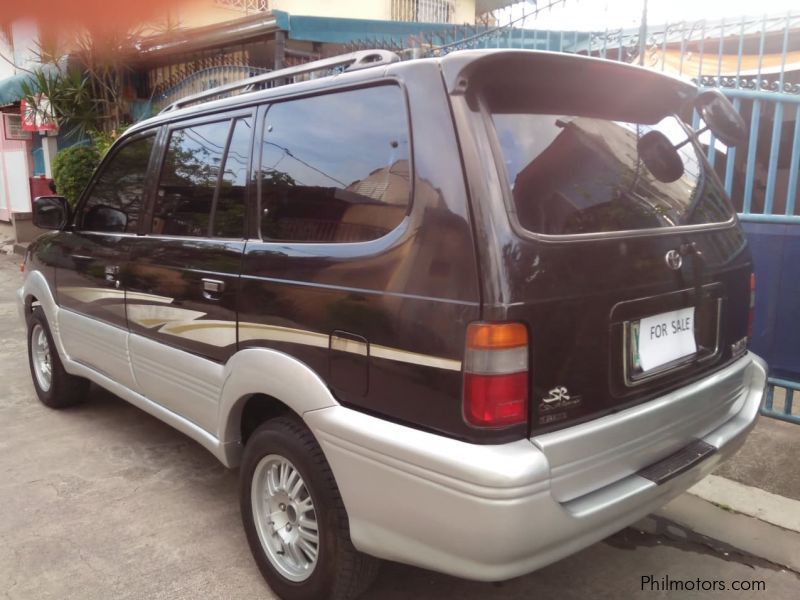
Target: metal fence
780,400
203,80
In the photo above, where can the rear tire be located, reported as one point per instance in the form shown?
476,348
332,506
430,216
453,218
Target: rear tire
54,386
287,490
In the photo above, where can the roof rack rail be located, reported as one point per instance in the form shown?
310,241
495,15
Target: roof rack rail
352,61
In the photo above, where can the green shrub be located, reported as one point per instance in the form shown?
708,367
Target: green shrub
102,140
72,168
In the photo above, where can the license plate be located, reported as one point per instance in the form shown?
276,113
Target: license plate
662,339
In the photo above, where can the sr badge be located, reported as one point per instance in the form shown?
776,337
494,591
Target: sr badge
558,398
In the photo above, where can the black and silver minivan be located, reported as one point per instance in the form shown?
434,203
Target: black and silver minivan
470,313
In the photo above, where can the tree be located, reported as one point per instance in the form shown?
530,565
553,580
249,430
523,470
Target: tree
87,96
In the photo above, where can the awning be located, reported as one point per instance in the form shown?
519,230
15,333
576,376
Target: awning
11,87
235,31
334,30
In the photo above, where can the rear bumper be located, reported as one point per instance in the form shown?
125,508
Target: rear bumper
490,512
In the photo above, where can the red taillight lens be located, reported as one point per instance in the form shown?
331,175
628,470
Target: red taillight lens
496,400
752,306
496,374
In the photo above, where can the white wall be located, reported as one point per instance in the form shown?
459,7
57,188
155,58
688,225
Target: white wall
15,168
348,9
15,155
361,9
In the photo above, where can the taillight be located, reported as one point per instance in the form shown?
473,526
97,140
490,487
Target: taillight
752,306
496,374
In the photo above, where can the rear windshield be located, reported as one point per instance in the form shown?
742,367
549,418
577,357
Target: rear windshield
575,174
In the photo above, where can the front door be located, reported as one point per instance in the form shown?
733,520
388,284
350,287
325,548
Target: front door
92,259
184,275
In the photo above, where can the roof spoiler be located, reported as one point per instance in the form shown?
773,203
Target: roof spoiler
555,83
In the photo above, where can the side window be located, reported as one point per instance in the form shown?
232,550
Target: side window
230,207
198,195
115,200
335,168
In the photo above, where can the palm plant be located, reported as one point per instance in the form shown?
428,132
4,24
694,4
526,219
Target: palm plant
88,96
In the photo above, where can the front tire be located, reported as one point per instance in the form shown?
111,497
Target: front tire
294,518
54,386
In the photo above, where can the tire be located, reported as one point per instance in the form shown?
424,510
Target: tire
54,386
339,571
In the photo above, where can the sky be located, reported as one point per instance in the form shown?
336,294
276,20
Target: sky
585,15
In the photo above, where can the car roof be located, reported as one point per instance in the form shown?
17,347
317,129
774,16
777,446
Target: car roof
458,68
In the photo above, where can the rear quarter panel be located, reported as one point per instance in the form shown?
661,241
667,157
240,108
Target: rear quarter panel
409,295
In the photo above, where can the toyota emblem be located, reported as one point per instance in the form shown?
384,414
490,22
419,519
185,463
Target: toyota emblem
674,260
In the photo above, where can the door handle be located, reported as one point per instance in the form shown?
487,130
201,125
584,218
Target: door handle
212,288
112,274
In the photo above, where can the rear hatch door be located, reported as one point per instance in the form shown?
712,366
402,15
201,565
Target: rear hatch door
632,278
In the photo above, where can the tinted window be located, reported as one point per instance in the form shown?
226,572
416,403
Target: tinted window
114,203
335,168
229,212
573,174
187,188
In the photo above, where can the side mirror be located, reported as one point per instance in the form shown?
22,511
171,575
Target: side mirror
721,117
660,157
50,212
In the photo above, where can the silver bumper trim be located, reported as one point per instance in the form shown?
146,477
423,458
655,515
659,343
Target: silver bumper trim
487,512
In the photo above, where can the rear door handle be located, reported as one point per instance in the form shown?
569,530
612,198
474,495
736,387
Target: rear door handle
212,288
112,274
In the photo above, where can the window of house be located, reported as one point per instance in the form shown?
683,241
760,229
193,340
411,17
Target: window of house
115,200
335,168
201,190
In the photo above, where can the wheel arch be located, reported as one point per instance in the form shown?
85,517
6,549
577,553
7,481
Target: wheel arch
36,292
261,383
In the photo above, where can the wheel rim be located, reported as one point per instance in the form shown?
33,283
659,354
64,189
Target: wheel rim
285,518
42,360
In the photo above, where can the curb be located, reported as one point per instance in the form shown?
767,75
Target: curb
728,531
747,500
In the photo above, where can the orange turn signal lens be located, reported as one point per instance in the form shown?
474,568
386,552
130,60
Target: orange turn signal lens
496,336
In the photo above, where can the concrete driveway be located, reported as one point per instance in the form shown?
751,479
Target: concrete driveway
103,501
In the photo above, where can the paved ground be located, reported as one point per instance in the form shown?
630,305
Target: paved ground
103,501
769,459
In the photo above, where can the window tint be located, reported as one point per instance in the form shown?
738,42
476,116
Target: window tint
187,189
576,174
229,213
335,168
116,198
